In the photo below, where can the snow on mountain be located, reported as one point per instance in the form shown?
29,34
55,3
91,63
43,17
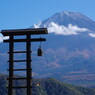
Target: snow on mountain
68,23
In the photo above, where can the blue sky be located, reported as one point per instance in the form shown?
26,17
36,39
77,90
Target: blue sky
24,13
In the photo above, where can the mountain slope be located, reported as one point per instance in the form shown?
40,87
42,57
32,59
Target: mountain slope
47,87
74,18
69,52
55,87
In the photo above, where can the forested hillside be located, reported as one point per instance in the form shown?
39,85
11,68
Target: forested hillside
46,87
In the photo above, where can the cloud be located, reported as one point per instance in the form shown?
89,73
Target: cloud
92,35
63,30
3,38
37,25
6,37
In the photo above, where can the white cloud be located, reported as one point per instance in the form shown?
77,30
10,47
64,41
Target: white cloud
63,30
6,37
92,35
37,25
3,38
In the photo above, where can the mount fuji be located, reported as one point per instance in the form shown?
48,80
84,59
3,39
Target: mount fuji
69,52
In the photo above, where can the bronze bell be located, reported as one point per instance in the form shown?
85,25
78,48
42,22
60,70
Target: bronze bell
39,51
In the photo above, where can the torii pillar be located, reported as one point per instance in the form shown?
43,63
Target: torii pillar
28,69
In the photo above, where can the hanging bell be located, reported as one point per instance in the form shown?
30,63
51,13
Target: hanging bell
39,51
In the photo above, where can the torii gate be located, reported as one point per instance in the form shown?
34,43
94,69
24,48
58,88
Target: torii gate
27,40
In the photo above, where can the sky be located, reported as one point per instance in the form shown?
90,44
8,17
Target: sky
19,14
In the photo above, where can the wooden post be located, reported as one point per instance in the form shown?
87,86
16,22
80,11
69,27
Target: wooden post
10,84
28,64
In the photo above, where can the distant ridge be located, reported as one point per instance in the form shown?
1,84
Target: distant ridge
46,87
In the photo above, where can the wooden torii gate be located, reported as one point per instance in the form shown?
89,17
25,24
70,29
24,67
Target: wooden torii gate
28,69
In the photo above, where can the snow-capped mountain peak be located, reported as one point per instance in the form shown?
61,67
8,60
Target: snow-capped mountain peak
74,18
68,23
